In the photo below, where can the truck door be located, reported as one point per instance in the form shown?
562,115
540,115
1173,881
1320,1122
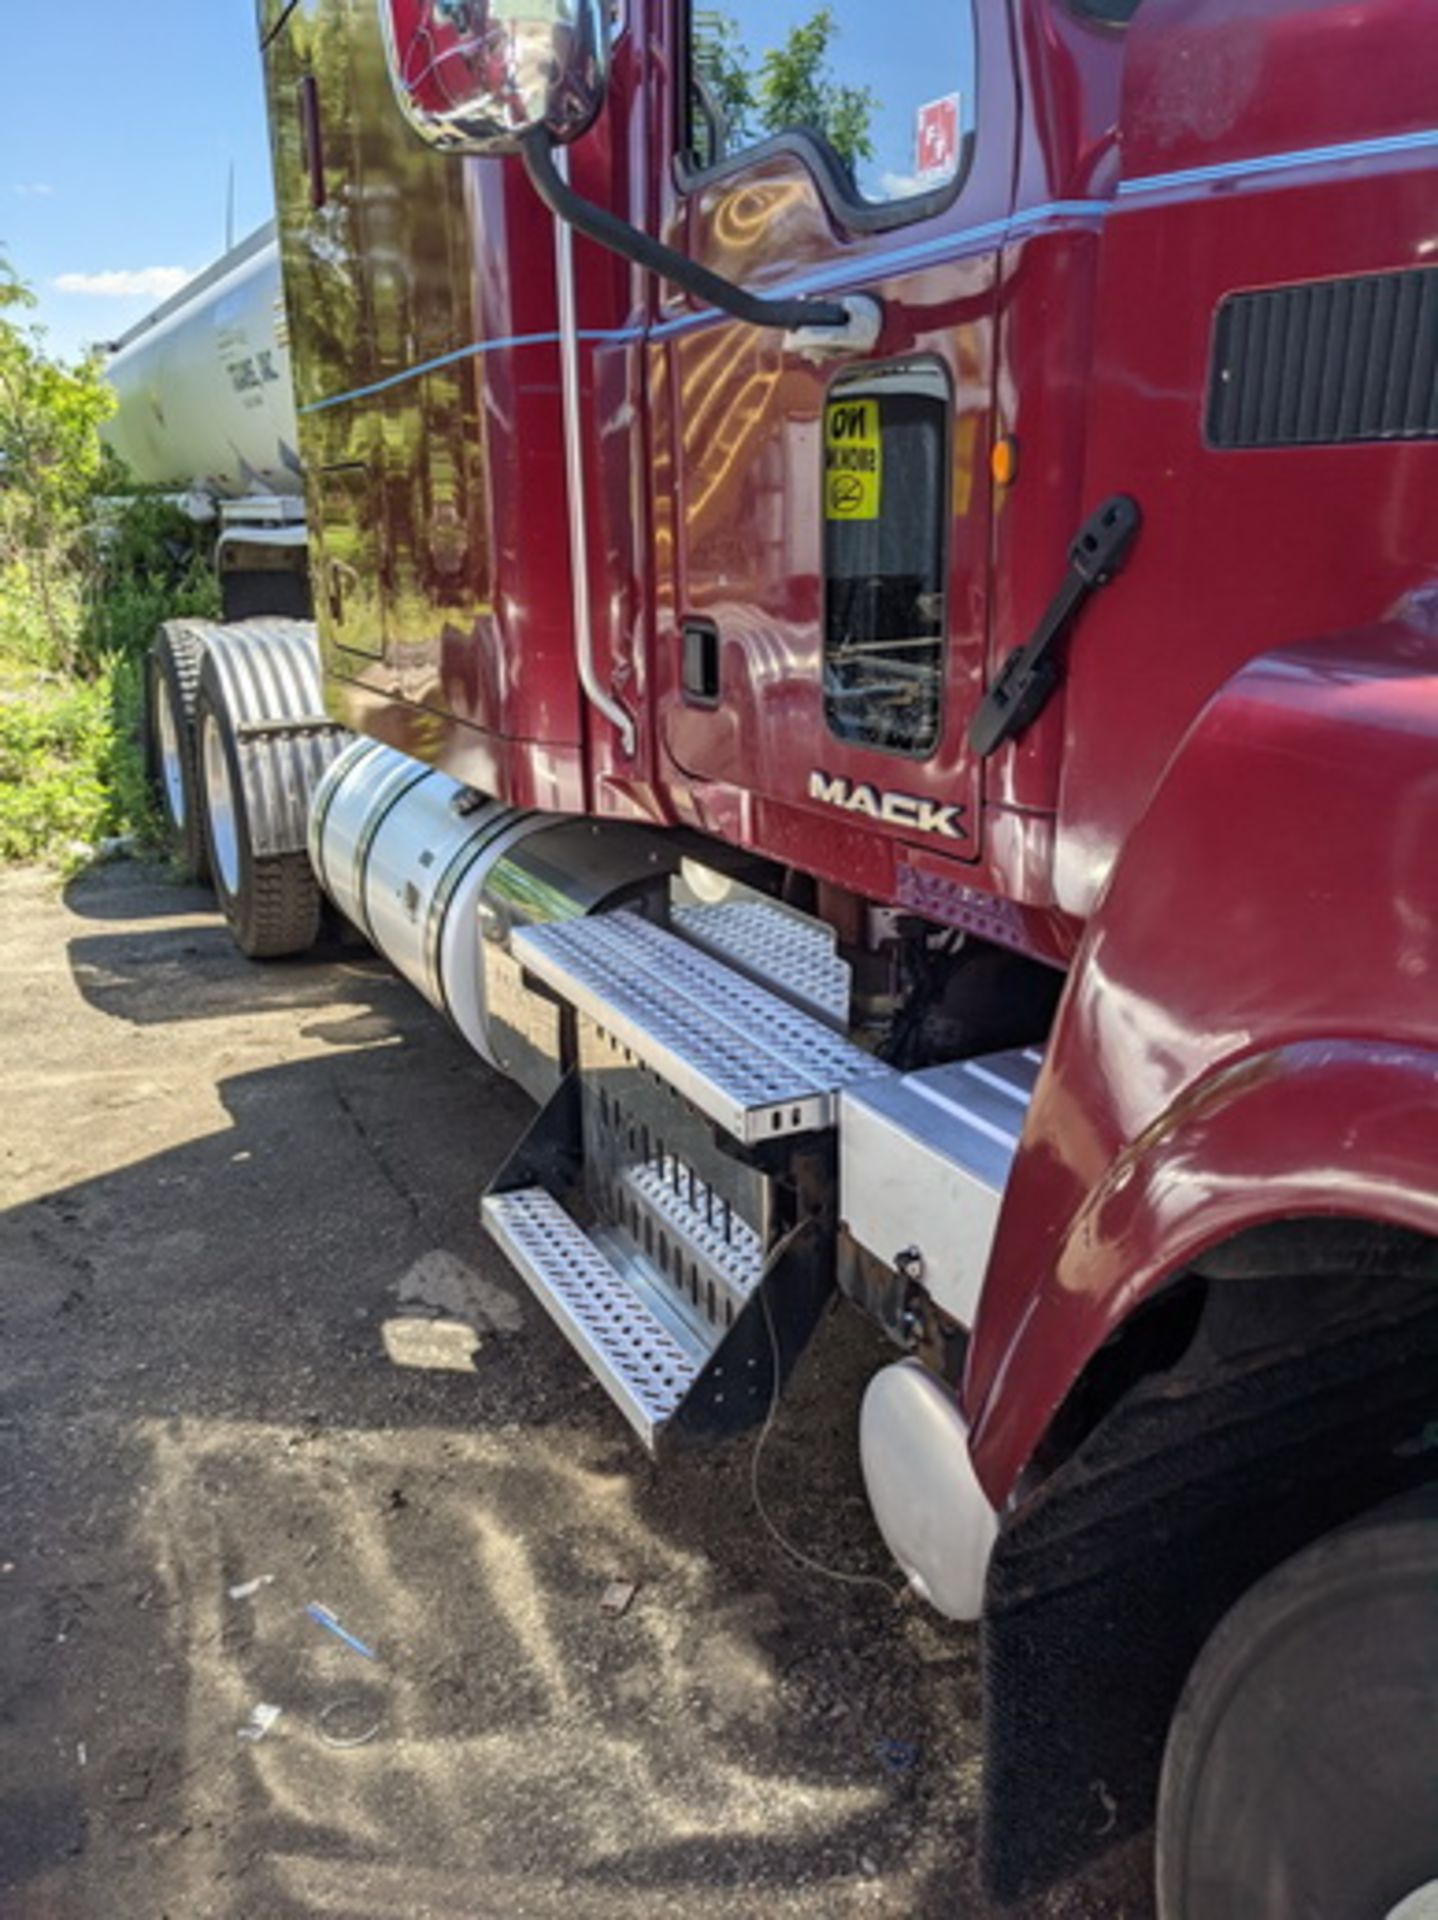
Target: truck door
821,634
314,95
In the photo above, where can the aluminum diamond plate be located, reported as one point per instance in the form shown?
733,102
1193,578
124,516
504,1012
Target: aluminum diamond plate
700,1221
752,1062
646,1366
797,957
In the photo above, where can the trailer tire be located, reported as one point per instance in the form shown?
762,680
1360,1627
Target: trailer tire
271,902
172,682
1301,1771
150,726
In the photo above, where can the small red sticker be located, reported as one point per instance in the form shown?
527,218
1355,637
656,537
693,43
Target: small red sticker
936,139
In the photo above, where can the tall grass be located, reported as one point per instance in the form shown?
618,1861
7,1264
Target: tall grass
72,773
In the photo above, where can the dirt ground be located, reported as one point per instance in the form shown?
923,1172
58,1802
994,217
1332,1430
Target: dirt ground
255,1354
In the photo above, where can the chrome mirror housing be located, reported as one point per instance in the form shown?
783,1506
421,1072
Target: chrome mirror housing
476,76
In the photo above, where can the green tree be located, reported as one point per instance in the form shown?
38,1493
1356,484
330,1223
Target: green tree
792,85
796,88
723,81
51,461
85,579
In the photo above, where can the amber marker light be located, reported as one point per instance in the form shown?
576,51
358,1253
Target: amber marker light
1004,460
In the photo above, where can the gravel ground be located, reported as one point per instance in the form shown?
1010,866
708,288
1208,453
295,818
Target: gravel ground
256,1354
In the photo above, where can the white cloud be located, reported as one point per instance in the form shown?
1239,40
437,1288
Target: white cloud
156,283
32,189
903,186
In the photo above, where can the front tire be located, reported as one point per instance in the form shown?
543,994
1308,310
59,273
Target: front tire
270,901
172,681
1300,1779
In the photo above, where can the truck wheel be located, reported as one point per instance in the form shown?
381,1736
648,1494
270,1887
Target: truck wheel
1301,1773
271,901
172,687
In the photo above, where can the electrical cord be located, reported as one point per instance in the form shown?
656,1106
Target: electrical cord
797,1554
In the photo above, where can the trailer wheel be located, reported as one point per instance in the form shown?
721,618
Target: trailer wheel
1301,1772
172,681
271,901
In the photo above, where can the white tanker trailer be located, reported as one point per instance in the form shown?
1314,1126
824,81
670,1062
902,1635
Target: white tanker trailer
206,401
207,412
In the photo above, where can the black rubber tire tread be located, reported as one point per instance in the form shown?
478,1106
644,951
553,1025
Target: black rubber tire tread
1300,1775
284,906
277,907
173,674
150,728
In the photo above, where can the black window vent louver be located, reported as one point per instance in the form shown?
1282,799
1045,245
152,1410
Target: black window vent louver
1327,362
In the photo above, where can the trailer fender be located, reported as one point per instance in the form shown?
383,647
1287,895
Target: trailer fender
1250,1028
266,676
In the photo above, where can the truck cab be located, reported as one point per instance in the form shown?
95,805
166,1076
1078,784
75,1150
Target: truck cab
875,649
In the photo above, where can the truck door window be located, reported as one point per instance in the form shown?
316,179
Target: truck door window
886,465
883,96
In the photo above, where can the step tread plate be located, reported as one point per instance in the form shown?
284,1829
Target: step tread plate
756,1065
705,1224
646,1364
795,955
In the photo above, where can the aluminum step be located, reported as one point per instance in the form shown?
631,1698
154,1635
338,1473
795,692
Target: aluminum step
643,1354
755,1065
775,947
703,1250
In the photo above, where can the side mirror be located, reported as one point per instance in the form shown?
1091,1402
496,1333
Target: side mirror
524,76
476,76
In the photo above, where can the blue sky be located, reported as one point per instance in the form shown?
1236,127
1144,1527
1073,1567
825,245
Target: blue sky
118,125
928,58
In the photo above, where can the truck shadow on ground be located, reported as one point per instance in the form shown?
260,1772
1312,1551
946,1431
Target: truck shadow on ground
159,975
199,1396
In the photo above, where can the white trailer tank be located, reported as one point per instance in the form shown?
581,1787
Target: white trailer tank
206,400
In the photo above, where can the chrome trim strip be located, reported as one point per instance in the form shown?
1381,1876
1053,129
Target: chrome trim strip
598,696
946,246
1377,147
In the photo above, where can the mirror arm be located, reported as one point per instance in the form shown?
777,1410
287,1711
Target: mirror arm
597,223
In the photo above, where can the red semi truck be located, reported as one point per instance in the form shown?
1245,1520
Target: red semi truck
876,647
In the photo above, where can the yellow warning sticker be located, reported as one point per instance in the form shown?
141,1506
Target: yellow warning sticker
853,460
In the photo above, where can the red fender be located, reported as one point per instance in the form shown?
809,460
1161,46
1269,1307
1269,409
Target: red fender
1250,1029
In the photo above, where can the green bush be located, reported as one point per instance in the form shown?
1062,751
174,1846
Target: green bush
56,741
72,771
86,578
72,774
151,563
27,632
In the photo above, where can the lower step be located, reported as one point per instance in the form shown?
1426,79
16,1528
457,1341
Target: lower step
637,1347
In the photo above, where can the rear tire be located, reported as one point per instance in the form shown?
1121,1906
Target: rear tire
172,681
1300,1777
270,901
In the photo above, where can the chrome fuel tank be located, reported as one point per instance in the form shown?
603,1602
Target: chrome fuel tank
437,876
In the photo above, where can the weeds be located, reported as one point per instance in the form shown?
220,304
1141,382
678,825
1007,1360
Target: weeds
86,578
56,740
149,563
72,772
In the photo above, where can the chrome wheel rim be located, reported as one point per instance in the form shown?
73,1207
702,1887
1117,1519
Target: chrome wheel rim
171,765
220,801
